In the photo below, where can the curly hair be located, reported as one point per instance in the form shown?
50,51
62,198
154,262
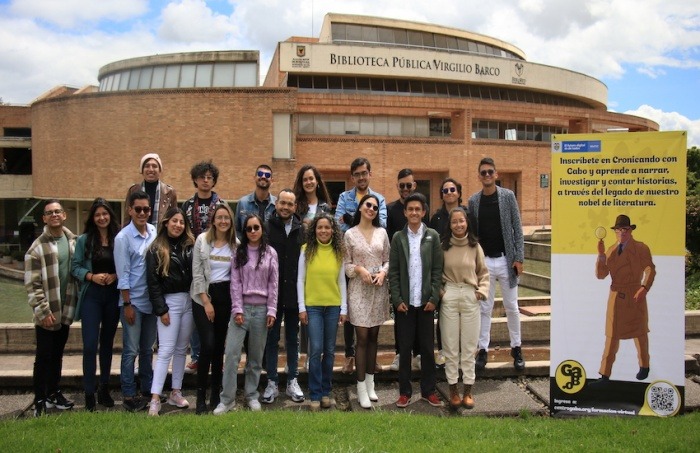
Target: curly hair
336,238
161,245
242,251
93,240
201,168
447,233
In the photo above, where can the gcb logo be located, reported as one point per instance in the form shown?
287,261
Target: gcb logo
570,376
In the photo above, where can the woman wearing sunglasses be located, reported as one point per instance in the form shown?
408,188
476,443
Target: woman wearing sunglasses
366,265
254,281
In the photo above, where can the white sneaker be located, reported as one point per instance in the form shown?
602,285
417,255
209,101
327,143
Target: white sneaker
294,391
222,408
176,399
154,408
254,405
395,364
440,358
271,392
415,363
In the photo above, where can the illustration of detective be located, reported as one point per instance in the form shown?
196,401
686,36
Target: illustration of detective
632,272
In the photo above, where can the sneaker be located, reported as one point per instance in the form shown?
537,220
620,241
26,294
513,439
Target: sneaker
154,408
294,392
315,406
518,361
326,402
254,405
440,359
191,367
271,392
395,364
403,401
415,363
59,401
134,404
39,408
222,408
482,358
176,399
433,400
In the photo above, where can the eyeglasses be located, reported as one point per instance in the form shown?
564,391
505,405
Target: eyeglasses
489,172
264,174
251,228
405,185
622,229
54,212
371,206
141,209
449,189
360,174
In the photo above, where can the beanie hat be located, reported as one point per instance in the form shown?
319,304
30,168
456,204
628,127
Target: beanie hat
148,156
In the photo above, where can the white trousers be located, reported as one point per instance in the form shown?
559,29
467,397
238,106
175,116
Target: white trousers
498,272
459,329
173,340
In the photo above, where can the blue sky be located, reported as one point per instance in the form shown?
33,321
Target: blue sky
646,51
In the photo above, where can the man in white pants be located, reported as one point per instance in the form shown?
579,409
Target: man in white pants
495,212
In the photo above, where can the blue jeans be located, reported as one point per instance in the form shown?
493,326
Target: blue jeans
138,341
323,327
291,344
100,317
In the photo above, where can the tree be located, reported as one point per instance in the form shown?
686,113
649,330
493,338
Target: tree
692,211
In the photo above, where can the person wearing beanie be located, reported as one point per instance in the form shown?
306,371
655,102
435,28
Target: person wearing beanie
162,195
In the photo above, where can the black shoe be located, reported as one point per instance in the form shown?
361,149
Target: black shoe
90,403
518,361
103,396
643,373
481,359
214,397
201,402
135,404
39,408
59,401
600,383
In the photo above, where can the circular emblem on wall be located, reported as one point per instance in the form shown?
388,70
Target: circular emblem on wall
662,399
570,376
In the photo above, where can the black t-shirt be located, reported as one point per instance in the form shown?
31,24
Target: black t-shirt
151,189
103,261
490,233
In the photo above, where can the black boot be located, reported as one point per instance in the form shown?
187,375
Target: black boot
214,398
90,402
201,402
103,396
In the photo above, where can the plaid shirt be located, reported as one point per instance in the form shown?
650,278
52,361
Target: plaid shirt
42,281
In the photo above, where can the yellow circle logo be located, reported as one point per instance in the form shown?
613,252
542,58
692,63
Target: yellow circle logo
570,376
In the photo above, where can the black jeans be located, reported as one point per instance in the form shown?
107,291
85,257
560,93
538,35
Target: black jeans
349,335
48,361
416,323
212,335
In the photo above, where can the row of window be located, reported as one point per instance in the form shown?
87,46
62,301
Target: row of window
515,131
393,126
403,87
355,34
188,75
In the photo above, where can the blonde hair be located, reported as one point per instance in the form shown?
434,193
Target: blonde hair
210,234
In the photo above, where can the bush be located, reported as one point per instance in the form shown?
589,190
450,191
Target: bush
18,255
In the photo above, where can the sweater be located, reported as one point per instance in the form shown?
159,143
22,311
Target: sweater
321,282
255,286
465,264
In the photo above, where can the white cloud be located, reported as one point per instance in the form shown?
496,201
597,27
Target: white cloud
671,121
68,13
193,21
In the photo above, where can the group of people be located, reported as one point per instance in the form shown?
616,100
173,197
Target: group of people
234,278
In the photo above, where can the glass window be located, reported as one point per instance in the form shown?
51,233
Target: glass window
385,35
321,125
394,126
408,126
291,81
441,88
246,75
134,78
415,38
463,45
306,124
400,36
452,42
440,42
416,87
172,76
335,83
353,32
114,86
429,87
349,84
481,48
103,83
158,78
428,40
493,129
124,81
377,84
187,74
402,86
366,125
390,85
337,124
422,127
320,82
203,77
381,125
369,34
453,89
338,32
472,47
352,124
223,75
522,133
145,79
305,81
363,84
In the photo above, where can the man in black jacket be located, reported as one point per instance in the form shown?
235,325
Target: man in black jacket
285,235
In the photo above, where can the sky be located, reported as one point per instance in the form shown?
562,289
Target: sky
647,52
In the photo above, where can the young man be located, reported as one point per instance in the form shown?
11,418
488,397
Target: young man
52,295
415,278
162,196
396,221
497,217
138,320
361,172
286,235
259,202
204,176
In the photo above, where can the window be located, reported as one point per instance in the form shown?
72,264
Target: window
223,75
203,77
172,76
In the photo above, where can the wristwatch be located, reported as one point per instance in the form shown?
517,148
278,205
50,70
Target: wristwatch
127,303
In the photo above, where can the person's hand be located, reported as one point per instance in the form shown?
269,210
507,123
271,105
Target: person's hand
479,296
379,278
238,319
165,319
364,275
640,294
304,318
518,267
48,321
270,321
429,307
601,247
208,309
129,314
402,308
342,319
111,278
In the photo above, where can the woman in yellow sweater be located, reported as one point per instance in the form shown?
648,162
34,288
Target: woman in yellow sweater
466,281
322,302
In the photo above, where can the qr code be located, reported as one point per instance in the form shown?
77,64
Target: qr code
662,399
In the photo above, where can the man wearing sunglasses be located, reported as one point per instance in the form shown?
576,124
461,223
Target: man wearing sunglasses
138,320
260,201
161,195
497,217
52,295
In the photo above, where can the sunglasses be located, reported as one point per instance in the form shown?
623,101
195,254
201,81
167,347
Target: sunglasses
251,228
141,209
374,207
264,174
405,185
54,212
489,172
449,189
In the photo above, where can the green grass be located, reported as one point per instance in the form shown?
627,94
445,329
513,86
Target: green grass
13,302
345,432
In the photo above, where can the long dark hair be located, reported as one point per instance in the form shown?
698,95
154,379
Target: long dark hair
242,251
447,232
336,238
358,214
458,185
93,241
300,193
161,244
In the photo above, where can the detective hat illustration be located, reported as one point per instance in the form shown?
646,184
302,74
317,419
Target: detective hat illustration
623,221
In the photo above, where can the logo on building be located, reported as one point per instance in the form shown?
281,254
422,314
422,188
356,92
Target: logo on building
519,67
301,51
517,74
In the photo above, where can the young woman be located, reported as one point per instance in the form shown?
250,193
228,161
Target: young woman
98,301
322,302
466,281
169,277
254,275
366,265
211,291
311,194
